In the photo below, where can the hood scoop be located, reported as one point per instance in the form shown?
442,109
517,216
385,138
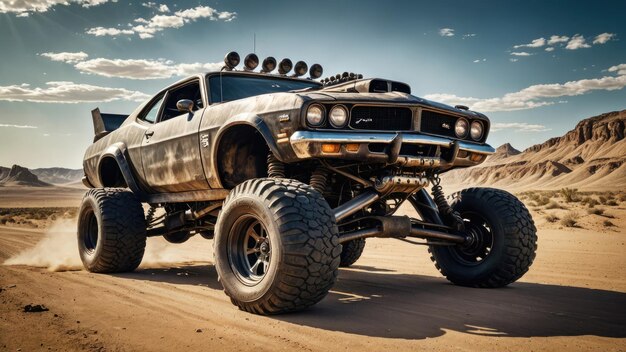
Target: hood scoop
370,85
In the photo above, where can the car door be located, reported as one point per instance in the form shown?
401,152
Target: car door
170,150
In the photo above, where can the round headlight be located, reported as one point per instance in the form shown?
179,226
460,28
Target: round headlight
476,130
338,116
461,127
315,115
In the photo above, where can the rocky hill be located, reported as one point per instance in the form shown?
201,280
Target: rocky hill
591,156
59,175
20,176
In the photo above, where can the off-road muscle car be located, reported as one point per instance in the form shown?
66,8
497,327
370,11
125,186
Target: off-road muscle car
289,176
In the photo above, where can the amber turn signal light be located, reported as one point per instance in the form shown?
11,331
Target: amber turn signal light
476,157
352,147
330,147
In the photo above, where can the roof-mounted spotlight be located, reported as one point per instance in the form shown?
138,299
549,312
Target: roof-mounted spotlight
269,64
300,69
316,71
250,62
284,66
231,60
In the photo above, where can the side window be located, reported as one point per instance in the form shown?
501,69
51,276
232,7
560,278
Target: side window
151,113
189,91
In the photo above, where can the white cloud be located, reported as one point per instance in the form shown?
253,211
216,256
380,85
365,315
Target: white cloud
23,7
537,43
469,35
620,69
154,5
556,39
16,126
518,127
132,68
603,38
66,56
513,60
550,48
143,69
521,53
479,60
540,94
101,31
68,92
147,28
446,32
577,42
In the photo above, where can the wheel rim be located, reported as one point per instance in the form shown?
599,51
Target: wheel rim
249,250
90,234
482,240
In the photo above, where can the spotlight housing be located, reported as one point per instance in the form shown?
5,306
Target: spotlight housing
251,62
285,66
316,71
269,64
231,60
300,69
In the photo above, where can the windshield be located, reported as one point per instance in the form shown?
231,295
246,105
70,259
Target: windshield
235,87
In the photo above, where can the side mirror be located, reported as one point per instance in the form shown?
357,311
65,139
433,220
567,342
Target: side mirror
184,105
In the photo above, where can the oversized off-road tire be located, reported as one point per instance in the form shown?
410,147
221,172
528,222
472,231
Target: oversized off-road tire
111,230
505,240
351,252
276,246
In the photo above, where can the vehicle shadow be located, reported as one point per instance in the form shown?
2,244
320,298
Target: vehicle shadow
376,303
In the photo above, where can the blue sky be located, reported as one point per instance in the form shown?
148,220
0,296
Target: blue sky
534,67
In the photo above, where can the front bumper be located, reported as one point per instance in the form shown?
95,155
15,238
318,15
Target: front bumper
449,153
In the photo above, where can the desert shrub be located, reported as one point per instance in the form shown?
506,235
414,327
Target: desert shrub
608,223
595,211
570,194
570,219
3,221
602,199
611,203
551,218
553,205
543,201
622,197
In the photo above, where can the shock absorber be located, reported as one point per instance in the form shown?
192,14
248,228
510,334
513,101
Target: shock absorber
446,211
319,179
275,167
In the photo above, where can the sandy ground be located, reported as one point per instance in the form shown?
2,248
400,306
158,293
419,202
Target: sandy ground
573,298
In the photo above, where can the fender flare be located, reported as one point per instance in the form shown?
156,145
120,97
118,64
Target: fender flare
117,151
252,120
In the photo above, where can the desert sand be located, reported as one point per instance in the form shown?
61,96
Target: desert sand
572,299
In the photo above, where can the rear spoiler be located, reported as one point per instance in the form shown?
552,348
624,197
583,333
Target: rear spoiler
104,124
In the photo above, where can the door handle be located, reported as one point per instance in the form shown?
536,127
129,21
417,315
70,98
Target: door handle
149,134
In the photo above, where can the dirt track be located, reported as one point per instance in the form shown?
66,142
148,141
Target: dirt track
572,299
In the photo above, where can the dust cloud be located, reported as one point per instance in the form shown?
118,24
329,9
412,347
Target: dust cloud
58,250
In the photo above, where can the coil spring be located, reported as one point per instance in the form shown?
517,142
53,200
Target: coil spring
150,214
319,179
275,167
444,207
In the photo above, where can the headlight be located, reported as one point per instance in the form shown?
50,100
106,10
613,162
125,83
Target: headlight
338,116
476,130
460,128
315,115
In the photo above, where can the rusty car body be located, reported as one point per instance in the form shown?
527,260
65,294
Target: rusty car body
209,142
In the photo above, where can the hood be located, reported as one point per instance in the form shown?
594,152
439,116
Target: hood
388,97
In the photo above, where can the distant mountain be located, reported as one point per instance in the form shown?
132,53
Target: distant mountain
504,151
591,156
59,175
20,176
